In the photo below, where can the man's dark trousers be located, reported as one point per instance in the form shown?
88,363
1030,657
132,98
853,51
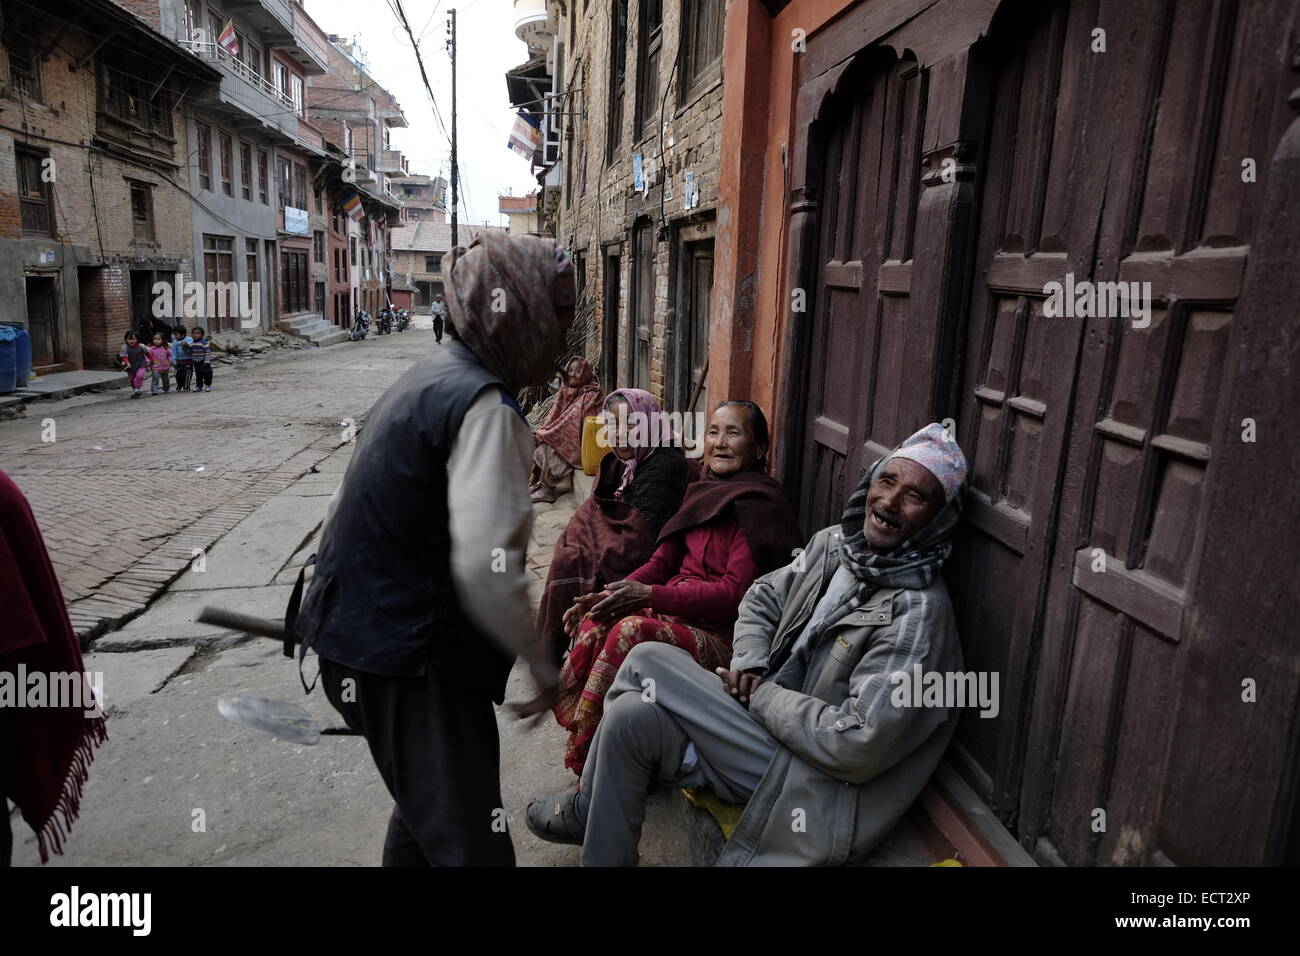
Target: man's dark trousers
435,743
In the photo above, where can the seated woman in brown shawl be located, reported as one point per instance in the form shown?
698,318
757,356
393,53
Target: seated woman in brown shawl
734,525
559,440
613,532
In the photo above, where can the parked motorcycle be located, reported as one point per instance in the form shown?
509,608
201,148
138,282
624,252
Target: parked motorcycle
385,322
359,327
403,319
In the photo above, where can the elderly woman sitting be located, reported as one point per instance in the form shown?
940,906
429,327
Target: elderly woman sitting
613,532
559,440
734,525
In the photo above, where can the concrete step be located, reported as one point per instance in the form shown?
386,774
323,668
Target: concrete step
332,338
313,328
300,321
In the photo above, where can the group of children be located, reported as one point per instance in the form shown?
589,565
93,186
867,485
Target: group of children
189,354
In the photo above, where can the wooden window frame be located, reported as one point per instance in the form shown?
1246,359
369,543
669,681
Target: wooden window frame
24,68
142,227
203,154
246,170
617,78
263,174
36,211
649,50
226,158
702,26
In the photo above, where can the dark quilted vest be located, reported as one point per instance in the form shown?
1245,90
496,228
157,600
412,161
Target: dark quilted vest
382,599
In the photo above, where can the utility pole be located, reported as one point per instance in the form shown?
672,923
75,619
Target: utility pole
455,166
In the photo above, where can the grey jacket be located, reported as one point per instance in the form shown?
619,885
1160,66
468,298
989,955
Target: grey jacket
851,762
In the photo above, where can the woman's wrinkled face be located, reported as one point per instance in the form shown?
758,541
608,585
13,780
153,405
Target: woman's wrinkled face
729,444
613,411
573,373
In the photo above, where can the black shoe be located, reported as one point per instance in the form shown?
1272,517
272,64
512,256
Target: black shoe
554,818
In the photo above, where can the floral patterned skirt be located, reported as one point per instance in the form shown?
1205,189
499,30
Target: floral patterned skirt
596,656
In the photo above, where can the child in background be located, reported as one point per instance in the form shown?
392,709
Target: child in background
201,353
160,360
181,360
135,362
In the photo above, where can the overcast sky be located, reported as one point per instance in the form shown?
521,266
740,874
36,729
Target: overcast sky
486,48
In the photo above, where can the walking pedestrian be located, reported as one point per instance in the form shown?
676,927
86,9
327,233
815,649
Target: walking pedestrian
419,602
160,361
201,355
439,309
135,362
181,360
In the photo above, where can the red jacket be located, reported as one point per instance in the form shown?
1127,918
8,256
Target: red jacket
701,574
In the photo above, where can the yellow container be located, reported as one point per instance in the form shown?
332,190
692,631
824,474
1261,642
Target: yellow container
593,450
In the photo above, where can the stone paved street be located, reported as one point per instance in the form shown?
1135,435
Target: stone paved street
130,488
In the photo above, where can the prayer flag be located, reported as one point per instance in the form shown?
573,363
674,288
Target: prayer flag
524,137
228,41
352,206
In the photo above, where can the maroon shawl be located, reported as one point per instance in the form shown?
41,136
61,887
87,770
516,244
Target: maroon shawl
760,506
563,427
48,751
604,541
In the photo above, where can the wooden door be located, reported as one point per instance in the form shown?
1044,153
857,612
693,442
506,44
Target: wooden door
643,303
854,406
610,324
41,321
691,326
1090,436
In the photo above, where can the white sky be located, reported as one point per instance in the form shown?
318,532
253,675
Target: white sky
486,48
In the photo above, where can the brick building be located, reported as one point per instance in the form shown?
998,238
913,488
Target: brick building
423,198
635,105
94,207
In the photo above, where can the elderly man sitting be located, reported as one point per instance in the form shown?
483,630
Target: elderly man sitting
802,727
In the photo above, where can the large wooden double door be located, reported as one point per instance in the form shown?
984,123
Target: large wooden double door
1092,439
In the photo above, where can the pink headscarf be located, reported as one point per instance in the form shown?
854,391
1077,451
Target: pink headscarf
642,402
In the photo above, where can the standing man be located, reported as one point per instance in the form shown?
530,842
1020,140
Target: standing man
420,598
439,316
805,726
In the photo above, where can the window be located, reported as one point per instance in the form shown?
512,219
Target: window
284,176
227,165
703,46
219,273
338,273
246,170
193,19
250,259
318,193
617,76
130,101
352,250
205,155
24,68
300,186
253,58
281,77
318,246
295,93
647,67
261,176
33,193
142,212
433,263
214,27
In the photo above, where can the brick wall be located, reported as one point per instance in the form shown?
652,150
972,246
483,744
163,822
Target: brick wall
91,197
609,206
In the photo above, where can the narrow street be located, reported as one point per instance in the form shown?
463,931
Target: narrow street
176,784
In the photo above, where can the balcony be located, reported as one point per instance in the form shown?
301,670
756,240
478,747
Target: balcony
390,161
249,93
312,49
273,18
533,26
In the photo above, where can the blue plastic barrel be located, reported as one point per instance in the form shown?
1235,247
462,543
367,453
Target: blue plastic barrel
8,360
23,356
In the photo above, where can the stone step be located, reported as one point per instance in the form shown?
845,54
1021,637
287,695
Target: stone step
299,321
332,338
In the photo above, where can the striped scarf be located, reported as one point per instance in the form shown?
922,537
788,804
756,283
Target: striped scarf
915,562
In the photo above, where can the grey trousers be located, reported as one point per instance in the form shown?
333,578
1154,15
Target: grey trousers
662,701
